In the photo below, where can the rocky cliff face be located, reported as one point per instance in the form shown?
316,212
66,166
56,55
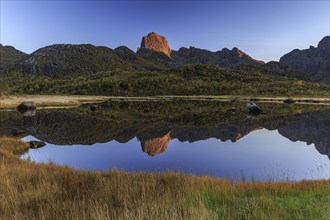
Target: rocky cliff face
315,61
155,42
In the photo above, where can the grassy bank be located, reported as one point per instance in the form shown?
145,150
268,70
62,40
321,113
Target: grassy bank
30,191
185,80
49,100
62,101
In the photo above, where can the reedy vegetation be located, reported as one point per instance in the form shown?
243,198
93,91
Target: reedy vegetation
48,191
184,80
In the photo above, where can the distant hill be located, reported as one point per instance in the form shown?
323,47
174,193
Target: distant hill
277,69
314,61
61,60
136,62
156,48
223,58
9,56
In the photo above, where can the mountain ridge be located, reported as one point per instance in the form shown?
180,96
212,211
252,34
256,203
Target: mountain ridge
61,60
314,61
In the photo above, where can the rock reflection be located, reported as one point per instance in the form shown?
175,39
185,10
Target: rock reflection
156,145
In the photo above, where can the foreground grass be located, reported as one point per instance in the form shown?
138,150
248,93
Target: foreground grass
41,191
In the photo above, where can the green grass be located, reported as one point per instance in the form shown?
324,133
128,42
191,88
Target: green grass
47,191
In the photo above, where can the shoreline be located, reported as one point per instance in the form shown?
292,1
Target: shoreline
68,101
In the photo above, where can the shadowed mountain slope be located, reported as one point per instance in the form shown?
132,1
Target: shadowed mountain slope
9,56
314,61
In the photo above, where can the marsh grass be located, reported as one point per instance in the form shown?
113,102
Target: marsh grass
48,191
47,101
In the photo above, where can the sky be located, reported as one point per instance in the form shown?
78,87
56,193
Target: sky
266,30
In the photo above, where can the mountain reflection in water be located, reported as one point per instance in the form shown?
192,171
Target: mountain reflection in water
156,124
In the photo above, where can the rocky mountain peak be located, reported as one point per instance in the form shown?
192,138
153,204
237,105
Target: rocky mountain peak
324,45
155,42
238,52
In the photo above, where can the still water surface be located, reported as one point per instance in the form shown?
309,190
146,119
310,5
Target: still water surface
288,143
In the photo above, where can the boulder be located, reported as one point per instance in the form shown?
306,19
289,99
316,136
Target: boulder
27,105
93,108
253,108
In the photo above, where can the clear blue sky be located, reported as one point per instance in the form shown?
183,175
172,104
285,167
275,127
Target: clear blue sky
264,29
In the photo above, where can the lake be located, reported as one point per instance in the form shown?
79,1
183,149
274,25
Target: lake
286,143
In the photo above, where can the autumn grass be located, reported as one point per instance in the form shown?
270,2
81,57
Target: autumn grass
53,101
47,191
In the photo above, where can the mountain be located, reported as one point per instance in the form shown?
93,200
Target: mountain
153,45
314,61
9,56
223,58
156,47
63,60
60,60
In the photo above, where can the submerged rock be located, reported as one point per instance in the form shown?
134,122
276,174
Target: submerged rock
233,110
289,101
36,144
253,108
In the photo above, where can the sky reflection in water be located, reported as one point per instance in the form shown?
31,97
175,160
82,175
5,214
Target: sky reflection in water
262,155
